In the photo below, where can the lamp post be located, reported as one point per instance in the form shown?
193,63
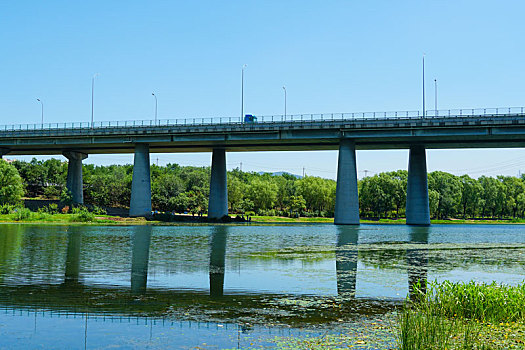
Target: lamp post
423,85
42,104
93,98
155,107
242,92
284,88
436,96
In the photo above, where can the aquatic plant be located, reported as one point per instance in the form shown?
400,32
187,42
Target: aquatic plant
463,316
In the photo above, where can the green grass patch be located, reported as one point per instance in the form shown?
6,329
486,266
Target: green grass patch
464,316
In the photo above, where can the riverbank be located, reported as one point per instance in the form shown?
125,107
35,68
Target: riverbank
279,219
72,218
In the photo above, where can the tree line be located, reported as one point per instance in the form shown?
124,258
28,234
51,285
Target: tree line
176,188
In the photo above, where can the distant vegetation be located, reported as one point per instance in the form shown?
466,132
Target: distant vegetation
186,189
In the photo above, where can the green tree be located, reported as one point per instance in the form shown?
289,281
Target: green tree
449,188
236,189
262,193
11,186
470,195
315,191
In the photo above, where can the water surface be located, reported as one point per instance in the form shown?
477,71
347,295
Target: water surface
229,286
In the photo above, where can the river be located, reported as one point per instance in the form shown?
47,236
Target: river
247,286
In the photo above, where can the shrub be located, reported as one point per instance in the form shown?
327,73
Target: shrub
266,212
98,210
50,209
81,214
7,208
22,214
66,197
52,192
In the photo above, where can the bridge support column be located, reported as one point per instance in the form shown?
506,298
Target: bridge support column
74,175
346,196
218,201
140,204
3,152
417,207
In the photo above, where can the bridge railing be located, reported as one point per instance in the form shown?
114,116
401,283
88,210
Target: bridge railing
295,118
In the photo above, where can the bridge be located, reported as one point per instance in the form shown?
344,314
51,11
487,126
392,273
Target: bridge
346,132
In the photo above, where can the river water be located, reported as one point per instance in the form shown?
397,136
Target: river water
210,287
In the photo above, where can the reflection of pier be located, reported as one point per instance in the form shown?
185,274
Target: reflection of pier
217,260
74,240
140,258
73,292
346,260
346,254
417,261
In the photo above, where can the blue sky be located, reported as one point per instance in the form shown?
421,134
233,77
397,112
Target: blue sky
333,56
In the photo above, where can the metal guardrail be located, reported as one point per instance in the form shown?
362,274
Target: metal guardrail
235,121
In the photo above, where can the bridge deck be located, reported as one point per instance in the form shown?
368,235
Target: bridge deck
396,130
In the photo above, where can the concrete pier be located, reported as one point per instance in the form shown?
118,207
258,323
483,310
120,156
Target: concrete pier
346,197
74,175
417,207
3,152
218,201
140,204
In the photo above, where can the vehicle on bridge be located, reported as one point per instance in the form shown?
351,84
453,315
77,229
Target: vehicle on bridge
248,118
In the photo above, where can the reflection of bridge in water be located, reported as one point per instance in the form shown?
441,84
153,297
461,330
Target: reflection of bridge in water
75,295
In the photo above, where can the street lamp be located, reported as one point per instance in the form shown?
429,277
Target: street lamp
42,103
93,97
284,88
242,92
423,85
436,96
155,107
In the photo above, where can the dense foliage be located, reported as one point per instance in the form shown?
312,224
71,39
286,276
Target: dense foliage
186,189
11,187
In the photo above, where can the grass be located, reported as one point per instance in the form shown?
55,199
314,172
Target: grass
282,219
35,217
464,316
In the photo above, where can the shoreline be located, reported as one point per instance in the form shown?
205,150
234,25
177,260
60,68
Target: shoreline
100,220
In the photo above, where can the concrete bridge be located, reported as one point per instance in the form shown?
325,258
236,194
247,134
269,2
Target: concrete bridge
464,128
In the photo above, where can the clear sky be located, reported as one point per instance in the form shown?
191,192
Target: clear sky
332,56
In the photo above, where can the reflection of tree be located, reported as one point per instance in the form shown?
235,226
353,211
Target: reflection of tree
11,240
217,260
140,258
346,260
417,260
